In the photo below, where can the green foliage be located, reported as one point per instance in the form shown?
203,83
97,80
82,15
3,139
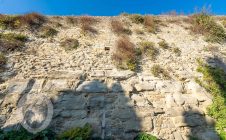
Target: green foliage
203,23
163,44
22,134
78,133
70,44
8,21
147,48
48,32
158,71
11,41
145,136
136,18
214,81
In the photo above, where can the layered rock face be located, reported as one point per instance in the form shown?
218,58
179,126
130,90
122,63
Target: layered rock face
85,86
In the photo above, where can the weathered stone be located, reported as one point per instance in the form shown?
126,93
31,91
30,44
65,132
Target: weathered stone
145,86
170,101
56,84
175,111
92,87
177,136
96,102
188,120
120,75
209,135
139,100
169,86
75,114
97,73
178,98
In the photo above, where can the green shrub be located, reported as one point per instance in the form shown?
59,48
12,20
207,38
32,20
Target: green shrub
147,48
145,136
48,32
70,44
22,134
8,21
214,81
203,23
136,18
158,71
10,41
163,44
78,133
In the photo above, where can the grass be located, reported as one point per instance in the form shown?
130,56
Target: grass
125,55
214,81
11,41
158,71
163,44
48,31
150,24
118,28
203,23
224,23
137,18
77,133
86,24
30,20
148,49
2,59
70,44
145,136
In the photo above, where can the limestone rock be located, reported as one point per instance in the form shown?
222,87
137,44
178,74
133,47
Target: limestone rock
145,86
92,87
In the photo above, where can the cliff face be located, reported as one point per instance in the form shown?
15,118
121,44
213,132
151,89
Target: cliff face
86,86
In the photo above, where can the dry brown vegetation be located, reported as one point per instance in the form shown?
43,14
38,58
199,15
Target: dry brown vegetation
87,22
70,44
30,20
148,48
47,31
118,28
150,24
158,71
125,54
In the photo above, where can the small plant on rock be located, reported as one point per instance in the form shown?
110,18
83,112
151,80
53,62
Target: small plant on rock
177,51
83,133
158,71
48,32
145,136
163,44
136,18
70,44
150,23
148,49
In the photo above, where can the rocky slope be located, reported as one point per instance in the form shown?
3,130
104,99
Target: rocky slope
85,86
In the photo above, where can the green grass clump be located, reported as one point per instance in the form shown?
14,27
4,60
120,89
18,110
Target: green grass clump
158,71
11,41
70,44
148,49
78,133
136,18
48,32
204,24
163,44
214,81
145,136
2,59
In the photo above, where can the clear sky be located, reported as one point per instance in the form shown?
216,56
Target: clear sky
107,7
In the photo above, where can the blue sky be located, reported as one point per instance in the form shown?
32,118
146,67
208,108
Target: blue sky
107,7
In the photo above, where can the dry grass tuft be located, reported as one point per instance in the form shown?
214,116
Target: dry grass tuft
147,48
87,22
70,44
2,59
47,31
163,44
158,71
10,41
118,28
136,18
125,54
150,24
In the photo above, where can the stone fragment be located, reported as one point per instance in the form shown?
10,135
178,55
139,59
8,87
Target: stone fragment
120,75
177,136
178,98
169,87
94,86
145,86
170,101
56,84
